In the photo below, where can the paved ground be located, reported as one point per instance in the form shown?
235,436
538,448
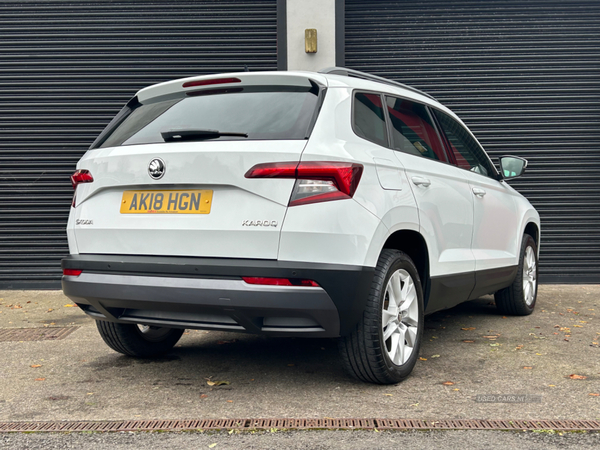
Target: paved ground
80,378
314,440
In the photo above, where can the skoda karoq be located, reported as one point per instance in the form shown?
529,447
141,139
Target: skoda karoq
334,204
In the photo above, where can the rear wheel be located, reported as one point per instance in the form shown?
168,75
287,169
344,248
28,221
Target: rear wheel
519,298
384,347
138,340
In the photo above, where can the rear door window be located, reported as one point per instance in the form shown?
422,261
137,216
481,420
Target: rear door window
412,129
250,113
368,118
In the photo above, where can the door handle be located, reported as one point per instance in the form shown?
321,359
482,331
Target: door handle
479,192
420,181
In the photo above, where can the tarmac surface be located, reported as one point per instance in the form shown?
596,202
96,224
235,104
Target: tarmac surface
474,361
301,440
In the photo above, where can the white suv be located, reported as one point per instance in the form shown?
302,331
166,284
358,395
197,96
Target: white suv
332,204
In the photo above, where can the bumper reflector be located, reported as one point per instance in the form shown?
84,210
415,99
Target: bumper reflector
72,272
280,281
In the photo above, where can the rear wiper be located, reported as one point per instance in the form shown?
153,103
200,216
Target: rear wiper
195,135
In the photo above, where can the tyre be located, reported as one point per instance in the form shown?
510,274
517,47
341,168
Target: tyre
384,347
519,298
138,340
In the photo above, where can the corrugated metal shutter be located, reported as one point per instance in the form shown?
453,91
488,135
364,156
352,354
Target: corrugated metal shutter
66,68
525,77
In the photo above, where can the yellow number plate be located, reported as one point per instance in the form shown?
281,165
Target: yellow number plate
166,202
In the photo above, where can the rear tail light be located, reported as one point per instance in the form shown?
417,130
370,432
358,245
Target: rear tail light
72,272
280,281
316,181
80,176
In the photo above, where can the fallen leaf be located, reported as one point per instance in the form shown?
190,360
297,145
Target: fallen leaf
539,354
212,445
552,385
229,401
50,310
594,394
203,396
69,306
423,359
504,317
415,404
389,395
40,379
435,356
35,366
448,383
468,328
528,367
468,341
217,383
577,377
491,337
456,389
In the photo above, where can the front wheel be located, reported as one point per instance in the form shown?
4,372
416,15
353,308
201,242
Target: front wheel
384,347
519,298
138,340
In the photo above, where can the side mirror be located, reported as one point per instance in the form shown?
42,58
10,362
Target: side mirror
512,166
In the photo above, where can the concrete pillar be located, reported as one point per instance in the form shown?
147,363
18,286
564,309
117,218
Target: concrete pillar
304,14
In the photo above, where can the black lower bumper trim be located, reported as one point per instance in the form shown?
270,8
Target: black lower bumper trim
209,293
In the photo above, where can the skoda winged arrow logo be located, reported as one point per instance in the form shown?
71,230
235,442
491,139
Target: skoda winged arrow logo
156,168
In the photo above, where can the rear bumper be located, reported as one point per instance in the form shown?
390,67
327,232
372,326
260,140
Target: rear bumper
209,293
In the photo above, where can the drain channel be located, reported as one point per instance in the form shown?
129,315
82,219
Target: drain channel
35,334
302,424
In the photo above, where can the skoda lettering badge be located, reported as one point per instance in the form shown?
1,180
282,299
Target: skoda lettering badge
156,168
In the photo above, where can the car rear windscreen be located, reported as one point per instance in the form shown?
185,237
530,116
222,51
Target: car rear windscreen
245,113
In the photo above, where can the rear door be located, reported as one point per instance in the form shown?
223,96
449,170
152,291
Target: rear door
443,197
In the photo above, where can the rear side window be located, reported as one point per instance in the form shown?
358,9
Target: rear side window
368,118
412,129
248,113
468,153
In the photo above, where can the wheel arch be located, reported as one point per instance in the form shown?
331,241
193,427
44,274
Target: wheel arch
533,230
413,244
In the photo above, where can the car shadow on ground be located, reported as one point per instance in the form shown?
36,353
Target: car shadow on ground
203,356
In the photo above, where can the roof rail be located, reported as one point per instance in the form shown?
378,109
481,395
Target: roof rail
367,76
